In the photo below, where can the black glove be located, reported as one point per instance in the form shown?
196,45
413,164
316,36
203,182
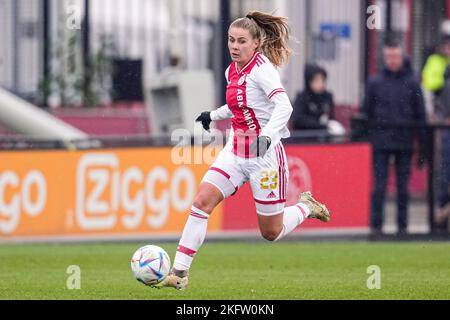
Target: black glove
205,119
260,146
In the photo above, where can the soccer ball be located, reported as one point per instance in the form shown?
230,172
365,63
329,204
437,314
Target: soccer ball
150,265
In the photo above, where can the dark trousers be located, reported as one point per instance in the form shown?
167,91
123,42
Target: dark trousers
380,175
444,196
444,192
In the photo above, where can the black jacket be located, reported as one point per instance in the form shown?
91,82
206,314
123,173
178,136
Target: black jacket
309,106
393,98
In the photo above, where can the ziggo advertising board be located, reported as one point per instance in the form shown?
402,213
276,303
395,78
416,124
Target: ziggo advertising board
135,192
110,192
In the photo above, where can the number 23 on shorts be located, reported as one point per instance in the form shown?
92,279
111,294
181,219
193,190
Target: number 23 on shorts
269,180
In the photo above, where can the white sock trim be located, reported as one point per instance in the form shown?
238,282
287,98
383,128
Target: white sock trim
304,209
199,212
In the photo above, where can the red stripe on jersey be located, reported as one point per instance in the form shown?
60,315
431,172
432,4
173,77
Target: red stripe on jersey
279,172
282,184
186,251
244,121
260,60
276,91
273,91
285,169
246,126
220,171
270,202
282,171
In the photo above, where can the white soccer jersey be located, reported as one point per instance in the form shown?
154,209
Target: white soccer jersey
256,102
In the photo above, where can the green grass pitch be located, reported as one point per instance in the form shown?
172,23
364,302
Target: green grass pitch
233,271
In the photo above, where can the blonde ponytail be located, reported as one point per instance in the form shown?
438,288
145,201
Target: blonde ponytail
272,31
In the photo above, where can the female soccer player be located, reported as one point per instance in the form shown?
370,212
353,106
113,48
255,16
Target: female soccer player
260,110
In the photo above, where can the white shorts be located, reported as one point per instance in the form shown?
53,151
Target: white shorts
268,177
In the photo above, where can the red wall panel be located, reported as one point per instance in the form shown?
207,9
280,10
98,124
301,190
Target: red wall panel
338,175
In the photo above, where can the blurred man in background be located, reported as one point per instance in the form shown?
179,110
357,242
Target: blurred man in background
392,96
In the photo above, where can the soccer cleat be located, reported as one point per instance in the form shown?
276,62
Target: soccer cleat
317,209
173,281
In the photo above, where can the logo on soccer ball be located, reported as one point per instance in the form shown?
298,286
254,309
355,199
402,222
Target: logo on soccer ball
242,80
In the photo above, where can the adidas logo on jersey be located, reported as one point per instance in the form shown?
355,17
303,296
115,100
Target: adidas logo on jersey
271,195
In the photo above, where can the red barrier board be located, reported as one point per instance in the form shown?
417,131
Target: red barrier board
337,175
